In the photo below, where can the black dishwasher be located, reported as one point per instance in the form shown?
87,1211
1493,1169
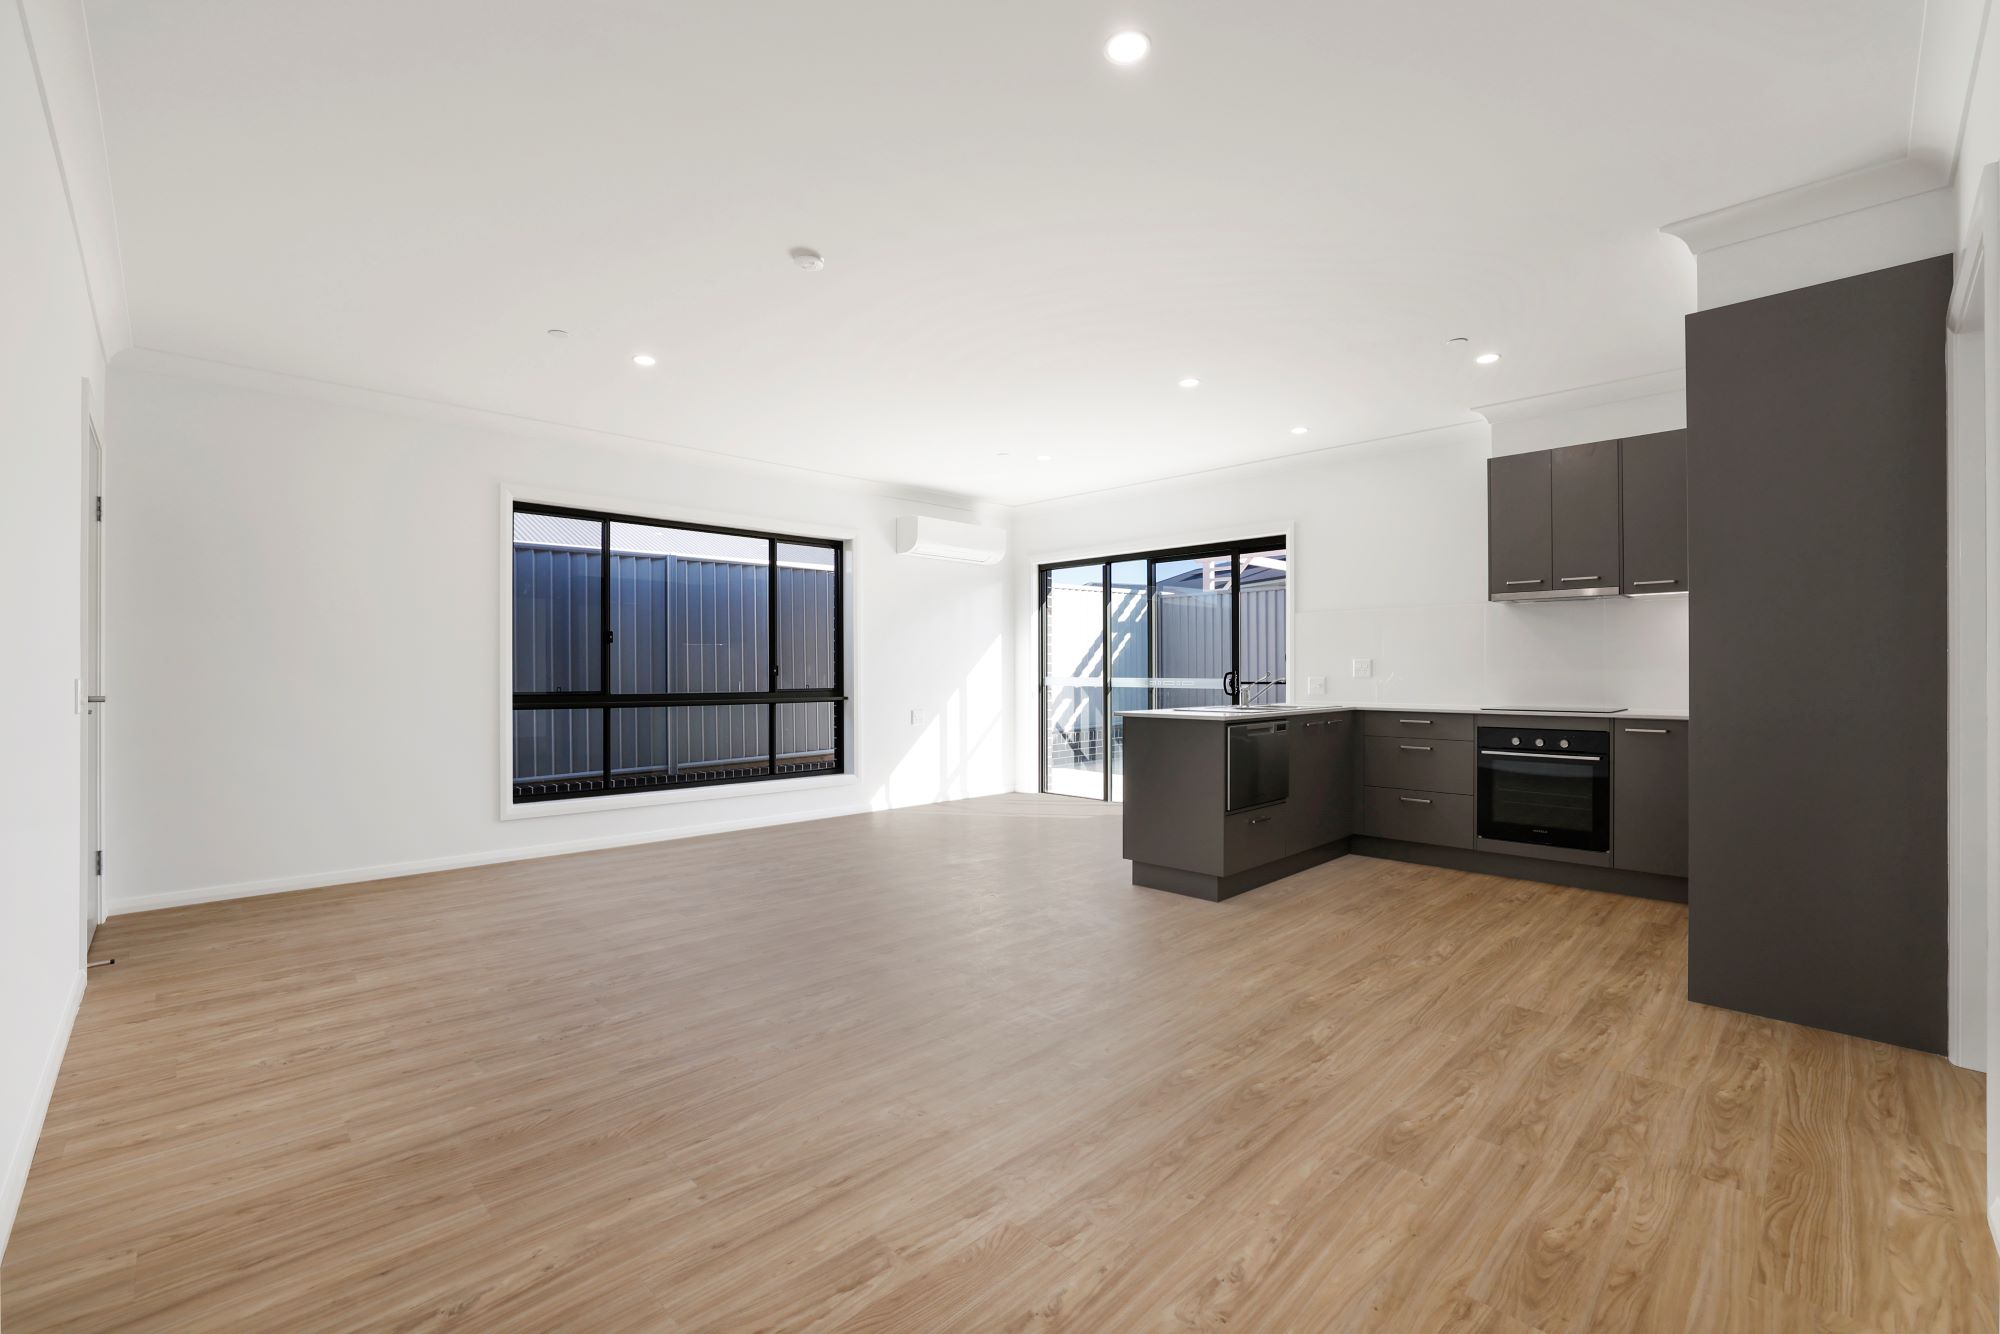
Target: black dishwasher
1260,764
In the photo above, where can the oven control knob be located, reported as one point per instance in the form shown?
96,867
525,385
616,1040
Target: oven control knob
1563,744
1540,742
1517,741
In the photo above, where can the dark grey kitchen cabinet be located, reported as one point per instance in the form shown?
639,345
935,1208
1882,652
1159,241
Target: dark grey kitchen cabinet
1324,777
1519,531
1817,502
1653,489
1649,797
1583,504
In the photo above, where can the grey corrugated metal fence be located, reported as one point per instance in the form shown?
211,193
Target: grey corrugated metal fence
680,624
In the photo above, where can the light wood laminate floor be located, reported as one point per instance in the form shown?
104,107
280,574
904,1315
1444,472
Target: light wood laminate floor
944,1069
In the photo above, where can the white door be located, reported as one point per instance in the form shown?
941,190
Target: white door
93,683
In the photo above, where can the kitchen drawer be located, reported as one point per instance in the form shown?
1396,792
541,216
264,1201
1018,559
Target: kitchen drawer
1443,818
1260,836
1420,764
1434,726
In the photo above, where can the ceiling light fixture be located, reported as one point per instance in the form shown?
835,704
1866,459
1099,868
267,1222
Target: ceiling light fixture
1043,458
645,359
807,258
1189,382
558,333
1127,48
1298,430
1487,358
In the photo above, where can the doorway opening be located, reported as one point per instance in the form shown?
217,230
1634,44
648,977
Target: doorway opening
1153,630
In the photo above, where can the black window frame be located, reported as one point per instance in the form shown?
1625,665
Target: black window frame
1233,683
606,701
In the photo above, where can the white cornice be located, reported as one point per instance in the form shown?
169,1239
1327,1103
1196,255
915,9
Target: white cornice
152,361
1884,183
1585,396
1967,312
1947,63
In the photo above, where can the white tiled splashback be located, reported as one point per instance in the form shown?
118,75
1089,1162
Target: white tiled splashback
1609,652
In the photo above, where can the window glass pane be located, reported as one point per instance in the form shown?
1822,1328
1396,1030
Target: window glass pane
807,741
557,606
672,746
690,610
1131,657
805,617
1260,627
1191,628
1073,640
558,752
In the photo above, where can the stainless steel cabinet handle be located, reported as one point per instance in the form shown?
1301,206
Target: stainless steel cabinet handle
1415,722
1516,583
1416,747
1539,755
1416,801
1578,578
93,699
1649,583
1647,731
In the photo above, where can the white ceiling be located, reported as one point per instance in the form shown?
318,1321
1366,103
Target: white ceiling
1297,201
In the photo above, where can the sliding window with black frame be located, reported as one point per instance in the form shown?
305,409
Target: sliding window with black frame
653,656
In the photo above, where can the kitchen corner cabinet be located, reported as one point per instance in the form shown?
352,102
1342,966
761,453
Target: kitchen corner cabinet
1583,503
1649,796
1519,531
1653,486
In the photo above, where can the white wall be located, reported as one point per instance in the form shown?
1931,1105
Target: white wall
1388,563
48,350
308,594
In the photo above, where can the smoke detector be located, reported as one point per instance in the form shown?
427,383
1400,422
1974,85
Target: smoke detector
808,259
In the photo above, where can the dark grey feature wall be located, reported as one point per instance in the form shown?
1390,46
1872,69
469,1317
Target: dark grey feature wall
1816,538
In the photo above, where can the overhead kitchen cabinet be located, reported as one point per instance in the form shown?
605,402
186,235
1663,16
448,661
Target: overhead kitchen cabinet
1653,486
1583,504
1519,528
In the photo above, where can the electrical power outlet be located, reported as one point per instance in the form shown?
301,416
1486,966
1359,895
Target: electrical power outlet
1315,685
1364,667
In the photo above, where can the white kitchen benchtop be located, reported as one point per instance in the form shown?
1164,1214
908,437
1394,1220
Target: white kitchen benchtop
1374,706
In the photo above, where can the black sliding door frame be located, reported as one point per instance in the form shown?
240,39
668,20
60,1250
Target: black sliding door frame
1233,682
607,701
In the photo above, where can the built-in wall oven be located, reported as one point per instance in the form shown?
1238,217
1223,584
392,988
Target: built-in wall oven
1547,787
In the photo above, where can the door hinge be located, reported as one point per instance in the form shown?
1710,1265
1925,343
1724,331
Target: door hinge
100,861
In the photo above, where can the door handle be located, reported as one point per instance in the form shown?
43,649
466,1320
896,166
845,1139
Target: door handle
1414,722
1516,583
93,699
1229,683
1416,801
1416,748
1578,578
1540,755
1646,731
1651,583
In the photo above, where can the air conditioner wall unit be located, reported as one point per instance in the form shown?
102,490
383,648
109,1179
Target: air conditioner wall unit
942,539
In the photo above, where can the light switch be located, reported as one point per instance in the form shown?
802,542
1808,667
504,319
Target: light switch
1364,667
1315,685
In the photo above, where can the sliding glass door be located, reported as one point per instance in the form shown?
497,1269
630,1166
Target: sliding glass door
1153,630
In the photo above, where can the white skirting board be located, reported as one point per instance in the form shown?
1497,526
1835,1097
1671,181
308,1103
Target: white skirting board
354,875
23,1155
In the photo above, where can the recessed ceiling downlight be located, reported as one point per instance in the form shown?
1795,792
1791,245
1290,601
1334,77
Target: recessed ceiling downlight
1189,382
645,359
1298,430
1127,48
1487,358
